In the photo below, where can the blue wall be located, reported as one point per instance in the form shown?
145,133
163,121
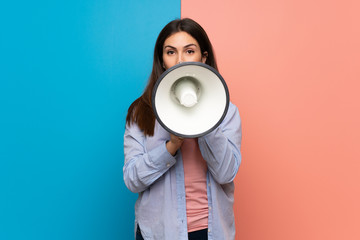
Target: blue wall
69,70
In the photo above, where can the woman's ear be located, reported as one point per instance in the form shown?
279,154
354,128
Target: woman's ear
204,57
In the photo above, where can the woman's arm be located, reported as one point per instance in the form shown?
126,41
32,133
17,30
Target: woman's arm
221,147
142,167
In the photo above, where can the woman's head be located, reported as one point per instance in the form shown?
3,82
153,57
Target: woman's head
190,29
177,30
182,47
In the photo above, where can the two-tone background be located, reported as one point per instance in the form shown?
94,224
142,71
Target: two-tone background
70,69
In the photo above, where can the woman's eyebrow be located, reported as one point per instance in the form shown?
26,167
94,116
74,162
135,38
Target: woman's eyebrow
186,46
190,45
169,46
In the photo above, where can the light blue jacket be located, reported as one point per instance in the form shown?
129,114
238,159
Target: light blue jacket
158,177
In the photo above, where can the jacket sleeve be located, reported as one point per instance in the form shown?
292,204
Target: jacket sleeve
143,167
221,147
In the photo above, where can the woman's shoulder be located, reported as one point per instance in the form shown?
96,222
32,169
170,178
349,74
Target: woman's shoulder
232,107
232,113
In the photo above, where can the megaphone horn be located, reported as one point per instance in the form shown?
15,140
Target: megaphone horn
190,99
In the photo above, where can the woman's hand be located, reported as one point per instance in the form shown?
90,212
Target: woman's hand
174,144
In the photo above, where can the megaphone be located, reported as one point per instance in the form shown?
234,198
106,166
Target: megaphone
190,99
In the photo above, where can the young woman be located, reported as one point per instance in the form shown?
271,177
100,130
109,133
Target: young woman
185,186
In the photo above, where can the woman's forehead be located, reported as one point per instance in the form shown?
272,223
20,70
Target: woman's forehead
180,39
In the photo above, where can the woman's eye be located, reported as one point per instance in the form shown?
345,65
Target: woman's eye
170,52
190,51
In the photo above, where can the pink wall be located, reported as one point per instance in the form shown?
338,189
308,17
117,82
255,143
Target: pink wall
293,69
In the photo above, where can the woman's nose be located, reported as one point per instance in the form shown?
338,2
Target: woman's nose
180,59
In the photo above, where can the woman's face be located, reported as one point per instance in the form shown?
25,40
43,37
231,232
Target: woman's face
181,47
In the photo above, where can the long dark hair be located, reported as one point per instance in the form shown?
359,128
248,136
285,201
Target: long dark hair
140,111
